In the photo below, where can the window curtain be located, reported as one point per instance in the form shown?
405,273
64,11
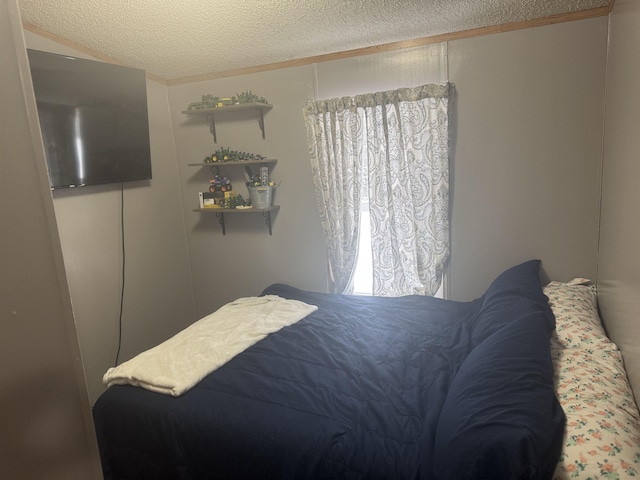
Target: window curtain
400,139
337,144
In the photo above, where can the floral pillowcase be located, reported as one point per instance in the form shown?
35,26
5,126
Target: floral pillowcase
602,435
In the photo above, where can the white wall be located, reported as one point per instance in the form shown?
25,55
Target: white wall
158,299
619,261
527,156
383,71
525,167
247,259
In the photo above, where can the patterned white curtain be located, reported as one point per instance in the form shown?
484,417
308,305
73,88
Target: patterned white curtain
336,145
400,138
408,139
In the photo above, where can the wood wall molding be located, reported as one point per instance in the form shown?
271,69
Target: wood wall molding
386,47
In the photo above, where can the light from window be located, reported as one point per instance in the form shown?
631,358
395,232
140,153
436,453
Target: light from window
363,275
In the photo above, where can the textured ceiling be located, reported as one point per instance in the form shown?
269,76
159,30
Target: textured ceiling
183,38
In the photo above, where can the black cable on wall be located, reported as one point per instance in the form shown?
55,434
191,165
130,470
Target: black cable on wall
123,272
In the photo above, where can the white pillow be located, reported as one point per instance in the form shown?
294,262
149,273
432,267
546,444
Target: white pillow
602,435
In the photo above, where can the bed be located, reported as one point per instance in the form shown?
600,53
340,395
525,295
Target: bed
391,388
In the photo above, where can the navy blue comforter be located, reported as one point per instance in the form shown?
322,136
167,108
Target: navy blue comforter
364,388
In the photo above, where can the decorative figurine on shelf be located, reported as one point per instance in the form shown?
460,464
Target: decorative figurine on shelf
210,101
219,183
219,186
260,181
235,201
249,97
227,155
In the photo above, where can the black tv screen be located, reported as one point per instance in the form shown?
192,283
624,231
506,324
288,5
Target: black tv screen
93,118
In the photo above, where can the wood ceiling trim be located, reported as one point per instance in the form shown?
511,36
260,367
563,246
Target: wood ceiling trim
81,48
446,37
429,40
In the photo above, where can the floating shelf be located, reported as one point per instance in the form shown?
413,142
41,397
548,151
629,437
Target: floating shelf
234,162
215,166
258,108
220,212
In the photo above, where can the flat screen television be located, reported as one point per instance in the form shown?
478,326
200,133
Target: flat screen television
94,121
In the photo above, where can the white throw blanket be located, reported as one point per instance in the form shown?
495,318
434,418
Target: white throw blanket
176,365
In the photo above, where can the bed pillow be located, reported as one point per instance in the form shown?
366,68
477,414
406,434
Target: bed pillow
513,293
501,419
521,281
602,438
578,324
